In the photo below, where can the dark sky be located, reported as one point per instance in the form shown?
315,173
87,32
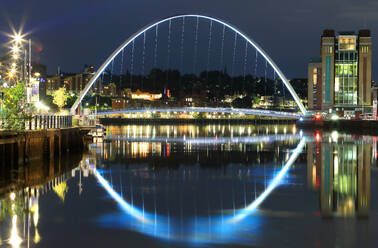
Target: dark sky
71,33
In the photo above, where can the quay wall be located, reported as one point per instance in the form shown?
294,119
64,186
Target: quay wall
369,127
32,145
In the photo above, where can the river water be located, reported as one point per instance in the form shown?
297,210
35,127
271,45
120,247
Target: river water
198,185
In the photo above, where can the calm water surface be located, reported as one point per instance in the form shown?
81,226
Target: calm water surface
189,185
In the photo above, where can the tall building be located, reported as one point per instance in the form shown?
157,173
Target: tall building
341,80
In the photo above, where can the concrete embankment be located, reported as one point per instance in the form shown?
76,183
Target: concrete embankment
22,148
136,121
369,127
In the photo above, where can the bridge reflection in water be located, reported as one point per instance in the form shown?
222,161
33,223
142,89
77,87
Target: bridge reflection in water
143,181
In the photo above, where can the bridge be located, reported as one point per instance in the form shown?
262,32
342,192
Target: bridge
259,112
154,26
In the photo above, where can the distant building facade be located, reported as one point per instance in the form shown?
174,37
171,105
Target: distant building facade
77,82
345,73
54,83
314,87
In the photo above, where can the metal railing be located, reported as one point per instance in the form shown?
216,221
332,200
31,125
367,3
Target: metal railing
49,122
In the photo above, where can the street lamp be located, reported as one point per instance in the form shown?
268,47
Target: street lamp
15,49
17,38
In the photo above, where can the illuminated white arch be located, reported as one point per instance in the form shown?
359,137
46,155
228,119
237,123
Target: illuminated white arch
150,26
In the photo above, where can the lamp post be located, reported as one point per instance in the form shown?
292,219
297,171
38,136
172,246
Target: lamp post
17,48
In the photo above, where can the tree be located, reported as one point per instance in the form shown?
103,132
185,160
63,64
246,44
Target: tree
256,100
60,97
71,100
13,112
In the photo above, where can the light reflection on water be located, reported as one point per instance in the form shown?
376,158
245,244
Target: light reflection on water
209,229
215,184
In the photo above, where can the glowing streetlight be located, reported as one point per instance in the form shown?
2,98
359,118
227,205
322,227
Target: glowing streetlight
17,38
41,106
10,75
15,49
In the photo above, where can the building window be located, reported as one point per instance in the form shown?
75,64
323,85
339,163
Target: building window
346,78
364,49
347,43
315,76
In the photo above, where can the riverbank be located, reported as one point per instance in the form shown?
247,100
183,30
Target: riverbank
32,145
369,127
124,121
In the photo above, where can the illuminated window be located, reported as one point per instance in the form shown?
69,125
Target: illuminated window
364,49
315,76
347,43
337,84
346,77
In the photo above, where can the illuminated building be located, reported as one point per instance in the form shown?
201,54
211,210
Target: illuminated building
345,70
139,95
119,103
109,90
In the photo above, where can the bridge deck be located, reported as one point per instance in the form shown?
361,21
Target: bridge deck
259,112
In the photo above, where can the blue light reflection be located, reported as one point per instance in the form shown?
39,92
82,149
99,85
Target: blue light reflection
219,228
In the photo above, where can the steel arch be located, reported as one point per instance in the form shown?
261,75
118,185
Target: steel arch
150,26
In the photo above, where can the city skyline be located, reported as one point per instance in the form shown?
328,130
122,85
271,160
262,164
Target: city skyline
82,31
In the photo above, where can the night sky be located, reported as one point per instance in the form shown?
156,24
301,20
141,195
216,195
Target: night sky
71,33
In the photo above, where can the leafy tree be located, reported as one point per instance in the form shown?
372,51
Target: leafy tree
256,100
13,112
71,100
60,97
